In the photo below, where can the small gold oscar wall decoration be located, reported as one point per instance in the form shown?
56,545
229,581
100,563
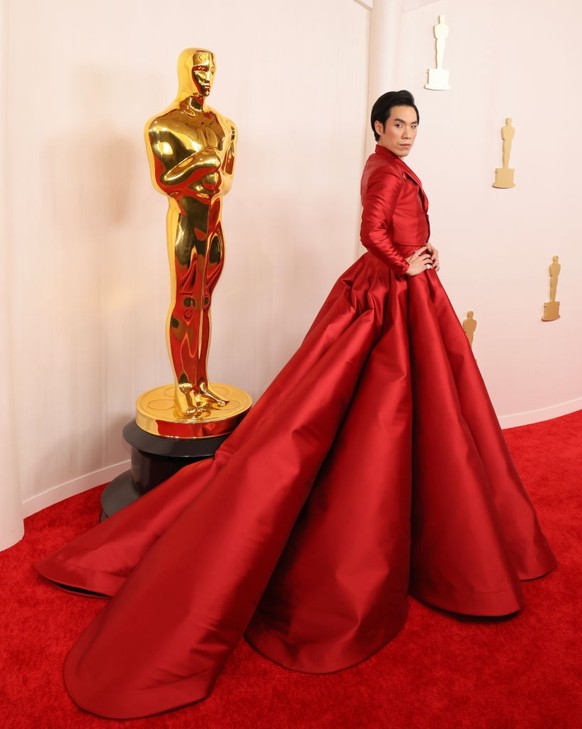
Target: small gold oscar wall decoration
552,307
469,326
504,174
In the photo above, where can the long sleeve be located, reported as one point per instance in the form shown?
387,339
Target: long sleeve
379,202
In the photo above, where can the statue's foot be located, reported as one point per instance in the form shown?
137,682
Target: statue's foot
199,410
192,404
197,402
207,392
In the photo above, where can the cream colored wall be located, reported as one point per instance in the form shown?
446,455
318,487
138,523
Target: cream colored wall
11,526
518,59
85,228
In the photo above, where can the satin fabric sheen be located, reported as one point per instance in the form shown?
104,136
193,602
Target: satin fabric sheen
372,468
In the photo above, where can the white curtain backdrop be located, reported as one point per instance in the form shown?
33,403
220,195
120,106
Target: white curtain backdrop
85,230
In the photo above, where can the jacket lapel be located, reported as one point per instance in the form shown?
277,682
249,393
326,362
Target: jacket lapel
392,159
410,174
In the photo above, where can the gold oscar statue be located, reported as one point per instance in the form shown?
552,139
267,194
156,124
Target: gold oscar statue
469,325
504,175
191,150
552,307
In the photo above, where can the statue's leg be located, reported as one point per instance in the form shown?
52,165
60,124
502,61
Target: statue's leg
553,288
197,252
181,306
213,265
184,314
439,53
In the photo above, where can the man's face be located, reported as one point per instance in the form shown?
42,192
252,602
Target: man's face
399,131
203,70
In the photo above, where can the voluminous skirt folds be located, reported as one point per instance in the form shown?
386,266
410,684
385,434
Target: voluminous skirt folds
373,467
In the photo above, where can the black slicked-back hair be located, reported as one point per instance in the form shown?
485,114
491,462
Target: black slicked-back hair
383,105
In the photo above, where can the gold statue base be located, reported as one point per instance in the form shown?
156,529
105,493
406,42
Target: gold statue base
156,413
551,311
504,178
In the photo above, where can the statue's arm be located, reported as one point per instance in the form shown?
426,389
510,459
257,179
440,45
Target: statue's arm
177,168
230,156
204,161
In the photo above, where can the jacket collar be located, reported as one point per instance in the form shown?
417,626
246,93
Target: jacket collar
399,163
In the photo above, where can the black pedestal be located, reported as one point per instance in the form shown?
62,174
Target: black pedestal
153,460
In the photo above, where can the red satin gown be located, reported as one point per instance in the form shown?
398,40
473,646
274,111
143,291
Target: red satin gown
372,468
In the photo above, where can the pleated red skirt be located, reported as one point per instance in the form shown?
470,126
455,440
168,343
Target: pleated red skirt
372,468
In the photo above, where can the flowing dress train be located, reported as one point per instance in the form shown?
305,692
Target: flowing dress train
373,467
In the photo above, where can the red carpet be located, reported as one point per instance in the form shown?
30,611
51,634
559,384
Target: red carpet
441,671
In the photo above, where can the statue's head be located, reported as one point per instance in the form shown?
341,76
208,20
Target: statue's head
196,71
